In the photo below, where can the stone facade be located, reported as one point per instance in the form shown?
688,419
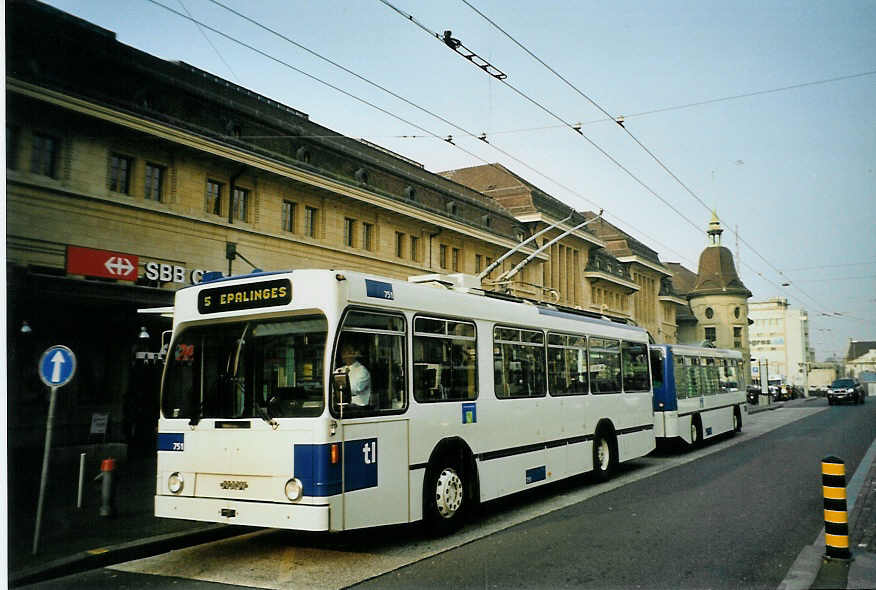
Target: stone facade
158,165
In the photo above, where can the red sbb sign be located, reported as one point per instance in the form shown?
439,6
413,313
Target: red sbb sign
102,263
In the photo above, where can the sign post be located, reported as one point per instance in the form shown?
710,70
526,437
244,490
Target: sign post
57,367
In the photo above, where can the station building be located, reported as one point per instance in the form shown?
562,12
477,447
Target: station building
129,177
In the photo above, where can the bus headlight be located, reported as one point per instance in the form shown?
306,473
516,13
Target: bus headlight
294,489
175,482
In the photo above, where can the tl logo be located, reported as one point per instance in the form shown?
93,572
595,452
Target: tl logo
369,451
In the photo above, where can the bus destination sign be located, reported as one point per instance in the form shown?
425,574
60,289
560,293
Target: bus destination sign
249,296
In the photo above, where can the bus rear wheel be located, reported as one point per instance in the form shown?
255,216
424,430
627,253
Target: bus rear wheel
696,432
444,497
604,457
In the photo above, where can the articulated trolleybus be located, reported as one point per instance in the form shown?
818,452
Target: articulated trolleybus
327,401
698,392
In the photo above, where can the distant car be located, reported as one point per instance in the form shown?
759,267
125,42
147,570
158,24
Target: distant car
845,390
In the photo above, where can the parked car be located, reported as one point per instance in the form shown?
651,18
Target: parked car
845,390
786,392
752,393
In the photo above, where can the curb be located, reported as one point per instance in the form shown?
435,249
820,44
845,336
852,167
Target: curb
770,407
805,569
102,557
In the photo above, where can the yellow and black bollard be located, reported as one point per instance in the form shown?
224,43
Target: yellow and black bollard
836,514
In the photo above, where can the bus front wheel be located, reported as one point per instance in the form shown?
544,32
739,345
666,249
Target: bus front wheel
445,494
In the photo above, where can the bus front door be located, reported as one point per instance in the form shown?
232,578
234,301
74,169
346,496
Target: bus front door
375,473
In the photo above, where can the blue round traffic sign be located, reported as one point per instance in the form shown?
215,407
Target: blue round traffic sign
57,366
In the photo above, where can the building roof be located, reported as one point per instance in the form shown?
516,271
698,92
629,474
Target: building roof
858,348
683,279
717,274
89,63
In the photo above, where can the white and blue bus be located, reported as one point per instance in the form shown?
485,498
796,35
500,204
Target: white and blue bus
333,400
699,392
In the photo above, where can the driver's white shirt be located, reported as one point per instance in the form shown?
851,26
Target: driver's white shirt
360,384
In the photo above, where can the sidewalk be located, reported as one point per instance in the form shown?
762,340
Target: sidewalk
860,572
862,535
812,571
74,539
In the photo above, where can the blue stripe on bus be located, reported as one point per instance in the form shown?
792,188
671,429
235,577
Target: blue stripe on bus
320,478
536,474
521,450
171,441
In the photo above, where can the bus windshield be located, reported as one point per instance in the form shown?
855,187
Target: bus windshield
257,369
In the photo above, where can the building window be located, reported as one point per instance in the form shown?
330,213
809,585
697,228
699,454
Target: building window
310,222
442,256
288,216
213,198
11,147
415,248
367,236
737,336
710,313
478,262
349,228
399,244
710,334
154,182
455,260
240,204
120,174
736,312
44,155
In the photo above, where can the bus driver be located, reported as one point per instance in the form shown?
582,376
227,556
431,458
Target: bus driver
360,378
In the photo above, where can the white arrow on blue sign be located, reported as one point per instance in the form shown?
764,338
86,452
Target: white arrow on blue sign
57,366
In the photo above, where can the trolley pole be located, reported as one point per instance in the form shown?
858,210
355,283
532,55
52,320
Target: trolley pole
836,514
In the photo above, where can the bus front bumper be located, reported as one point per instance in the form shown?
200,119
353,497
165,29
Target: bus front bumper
261,514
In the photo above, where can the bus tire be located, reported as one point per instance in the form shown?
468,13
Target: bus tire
696,431
604,455
445,491
737,419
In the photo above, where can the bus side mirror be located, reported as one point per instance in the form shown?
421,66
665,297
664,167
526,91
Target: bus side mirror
341,386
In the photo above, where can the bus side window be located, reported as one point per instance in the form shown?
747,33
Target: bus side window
519,363
445,360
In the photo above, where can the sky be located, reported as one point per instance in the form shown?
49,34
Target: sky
765,113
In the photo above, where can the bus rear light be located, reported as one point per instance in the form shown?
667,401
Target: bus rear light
334,454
